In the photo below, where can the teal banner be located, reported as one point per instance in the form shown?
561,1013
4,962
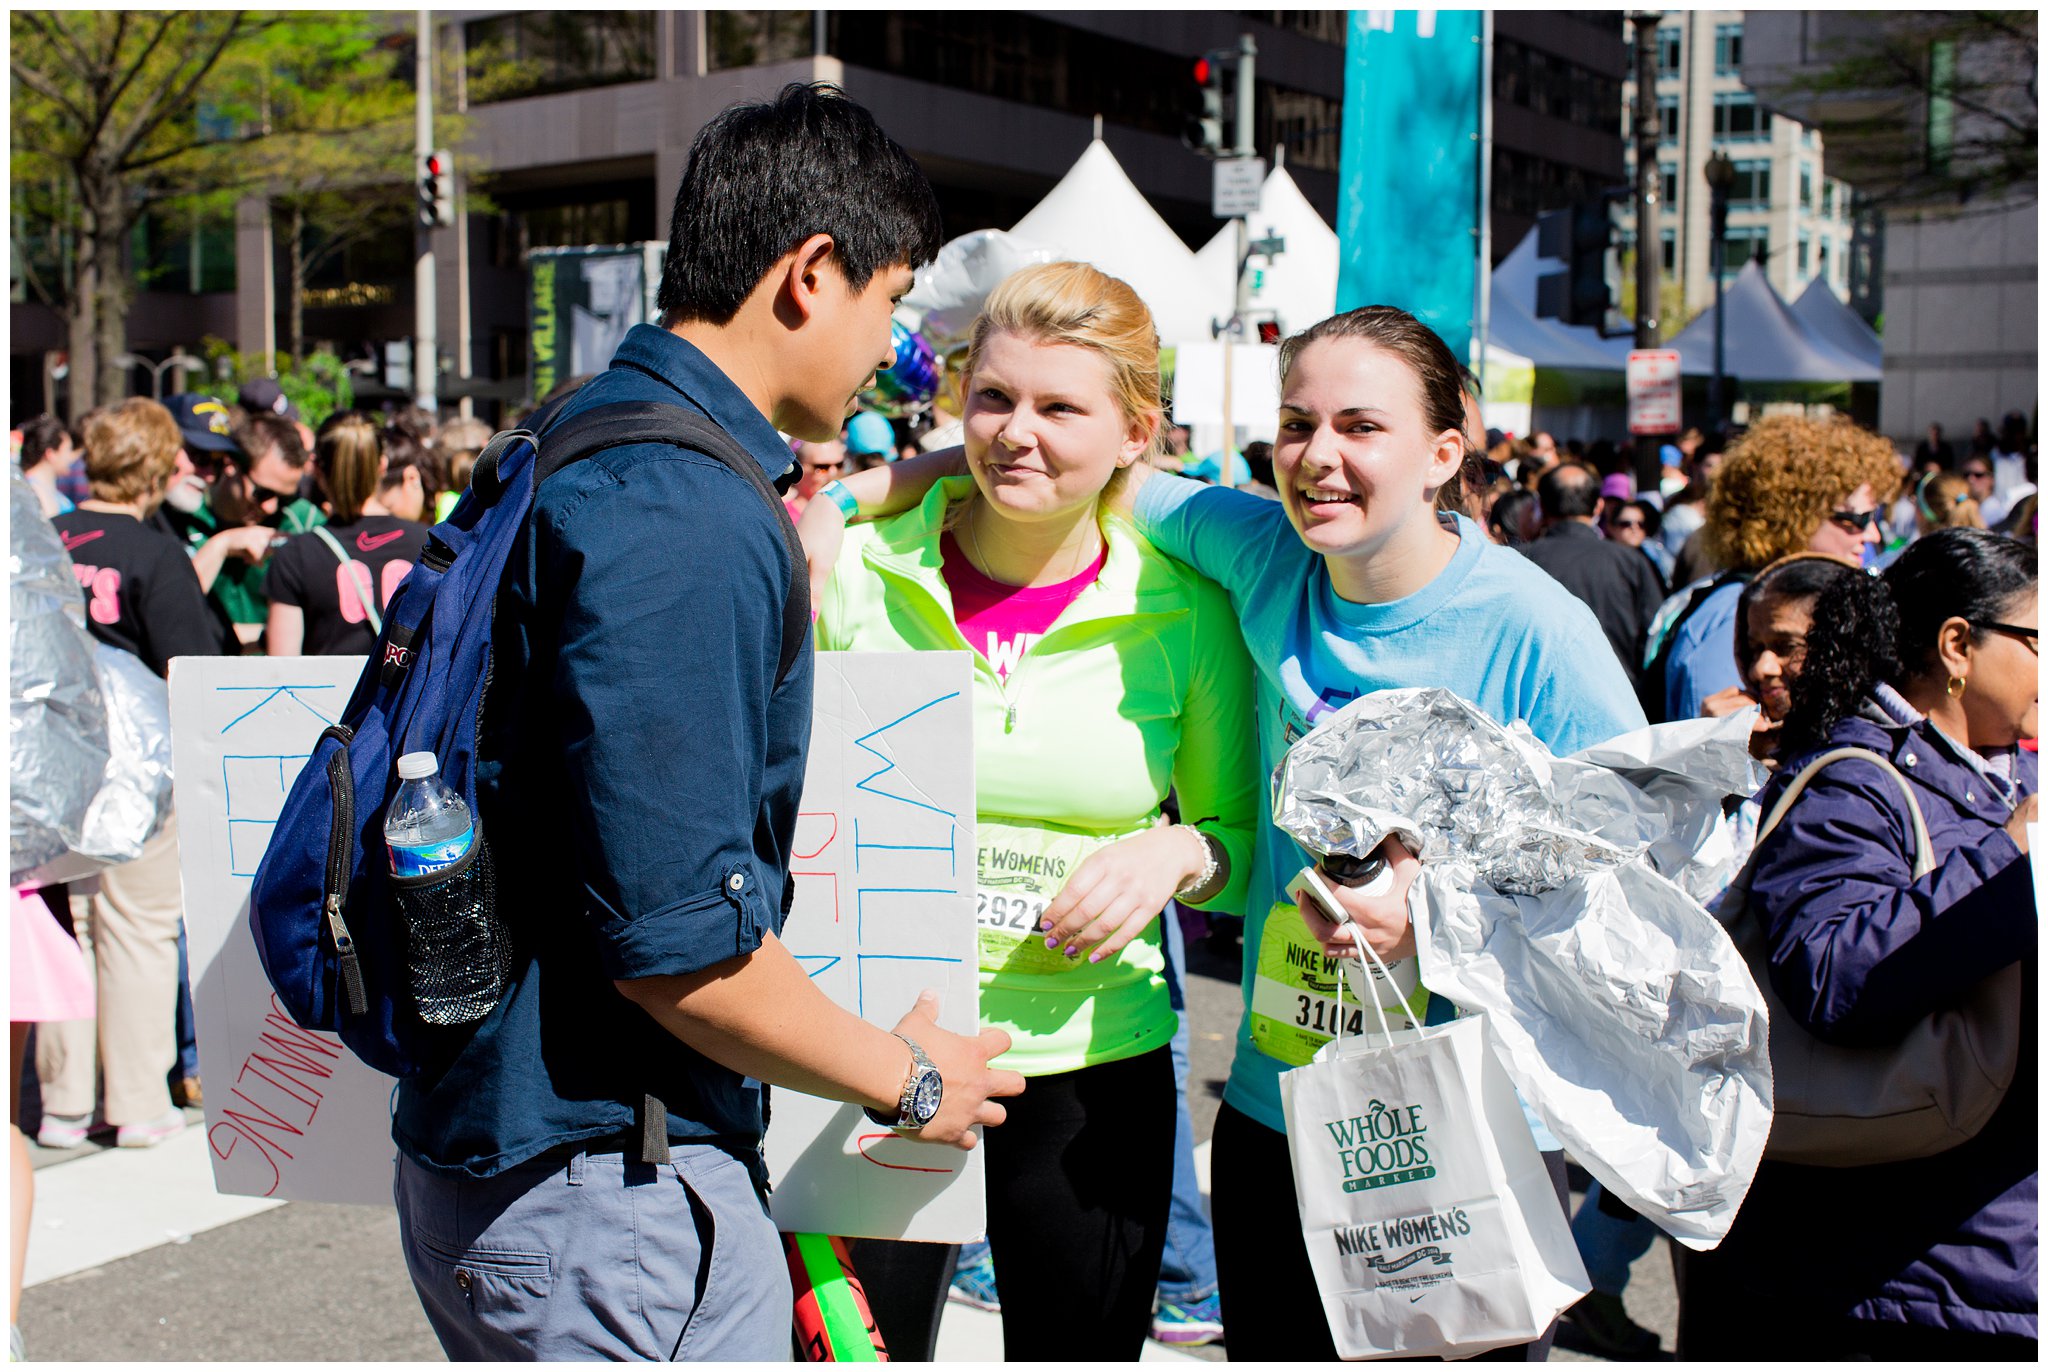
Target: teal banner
1408,208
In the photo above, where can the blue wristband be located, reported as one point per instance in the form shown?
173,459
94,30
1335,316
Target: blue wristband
843,498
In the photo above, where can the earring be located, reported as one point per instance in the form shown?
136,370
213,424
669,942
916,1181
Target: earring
1955,687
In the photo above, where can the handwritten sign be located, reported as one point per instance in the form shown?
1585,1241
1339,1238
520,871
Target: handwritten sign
289,1113
884,864
884,873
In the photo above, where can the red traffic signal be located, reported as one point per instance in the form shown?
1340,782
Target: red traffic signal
1202,71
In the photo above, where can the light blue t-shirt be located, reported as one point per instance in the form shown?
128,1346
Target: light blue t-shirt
1703,654
1492,627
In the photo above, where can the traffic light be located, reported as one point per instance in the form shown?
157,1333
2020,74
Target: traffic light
1581,237
1269,331
436,183
1204,131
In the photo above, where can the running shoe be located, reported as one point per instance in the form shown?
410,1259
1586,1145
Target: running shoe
1189,1324
150,1133
63,1131
975,1284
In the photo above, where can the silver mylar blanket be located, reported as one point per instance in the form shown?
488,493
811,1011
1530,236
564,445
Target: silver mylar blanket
56,721
1563,897
89,726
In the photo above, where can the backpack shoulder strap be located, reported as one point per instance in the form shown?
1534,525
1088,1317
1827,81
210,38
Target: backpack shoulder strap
612,426
362,597
1923,845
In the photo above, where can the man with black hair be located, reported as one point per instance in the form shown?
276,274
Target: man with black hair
585,1179
1617,583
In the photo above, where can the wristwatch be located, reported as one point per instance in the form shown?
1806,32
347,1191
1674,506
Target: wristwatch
922,1091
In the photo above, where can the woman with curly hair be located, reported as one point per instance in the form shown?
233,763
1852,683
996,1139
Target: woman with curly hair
1933,666
1790,485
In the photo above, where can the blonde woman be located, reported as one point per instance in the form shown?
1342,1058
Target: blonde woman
328,588
1105,674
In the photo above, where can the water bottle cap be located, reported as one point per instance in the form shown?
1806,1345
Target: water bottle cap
413,766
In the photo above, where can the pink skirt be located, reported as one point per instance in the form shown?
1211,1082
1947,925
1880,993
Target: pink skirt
49,980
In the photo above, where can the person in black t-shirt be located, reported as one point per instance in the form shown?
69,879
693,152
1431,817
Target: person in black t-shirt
140,590
328,588
142,596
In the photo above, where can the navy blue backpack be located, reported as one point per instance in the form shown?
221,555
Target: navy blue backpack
331,922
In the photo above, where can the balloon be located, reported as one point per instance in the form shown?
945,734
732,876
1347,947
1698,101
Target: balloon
914,379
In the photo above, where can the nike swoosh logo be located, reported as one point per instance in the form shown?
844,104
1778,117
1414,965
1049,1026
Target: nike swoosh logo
72,541
370,543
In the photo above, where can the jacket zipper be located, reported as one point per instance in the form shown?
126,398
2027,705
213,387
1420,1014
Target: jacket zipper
340,850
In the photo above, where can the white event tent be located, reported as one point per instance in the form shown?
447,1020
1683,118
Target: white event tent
1765,341
1822,311
1095,215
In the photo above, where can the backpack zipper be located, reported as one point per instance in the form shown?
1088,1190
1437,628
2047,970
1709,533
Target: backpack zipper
340,849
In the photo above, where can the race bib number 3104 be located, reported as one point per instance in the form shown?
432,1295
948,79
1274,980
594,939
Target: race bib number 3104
1294,993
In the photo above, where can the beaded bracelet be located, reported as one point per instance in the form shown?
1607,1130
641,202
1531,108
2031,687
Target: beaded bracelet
837,493
1208,873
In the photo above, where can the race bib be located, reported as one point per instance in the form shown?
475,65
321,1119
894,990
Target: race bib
1018,872
1294,993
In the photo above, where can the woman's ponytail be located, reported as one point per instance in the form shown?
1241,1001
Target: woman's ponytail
350,455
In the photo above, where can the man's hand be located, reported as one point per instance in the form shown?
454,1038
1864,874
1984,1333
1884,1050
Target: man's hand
963,1066
1381,921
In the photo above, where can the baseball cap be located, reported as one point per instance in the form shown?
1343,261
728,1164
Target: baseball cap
202,422
870,433
265,395
1618,486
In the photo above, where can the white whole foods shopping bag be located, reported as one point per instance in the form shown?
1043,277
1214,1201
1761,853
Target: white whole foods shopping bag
1431,1223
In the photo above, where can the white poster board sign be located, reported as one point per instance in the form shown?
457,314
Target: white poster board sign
1654,391
884,907
289,1113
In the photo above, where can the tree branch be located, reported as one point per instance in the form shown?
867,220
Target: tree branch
41,85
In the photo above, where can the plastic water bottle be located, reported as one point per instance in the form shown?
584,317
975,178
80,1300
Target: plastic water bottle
426,825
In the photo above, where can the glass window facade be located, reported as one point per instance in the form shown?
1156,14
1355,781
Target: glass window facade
1827,199
1751,188
1669,239
1737,117
1667,119
1670,50
543,52
752,38
1727,49
1805,187
1805,253
1746,243
1668,187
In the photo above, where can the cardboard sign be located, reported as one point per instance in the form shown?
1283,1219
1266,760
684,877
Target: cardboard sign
884,907
1653,391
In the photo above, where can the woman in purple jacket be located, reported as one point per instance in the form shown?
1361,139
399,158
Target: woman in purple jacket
1936,667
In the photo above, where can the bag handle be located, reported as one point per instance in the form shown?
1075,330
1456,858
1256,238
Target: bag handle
1923,846
1367,951
362,599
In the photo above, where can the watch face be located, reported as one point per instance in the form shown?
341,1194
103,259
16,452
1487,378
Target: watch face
924,1101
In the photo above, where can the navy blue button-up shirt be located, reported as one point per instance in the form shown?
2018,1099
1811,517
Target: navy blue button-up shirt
640,781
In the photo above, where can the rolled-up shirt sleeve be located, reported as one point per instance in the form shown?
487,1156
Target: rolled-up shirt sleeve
669,580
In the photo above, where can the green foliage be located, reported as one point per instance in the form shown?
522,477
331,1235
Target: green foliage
317,385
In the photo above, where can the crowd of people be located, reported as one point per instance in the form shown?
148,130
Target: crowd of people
1149,633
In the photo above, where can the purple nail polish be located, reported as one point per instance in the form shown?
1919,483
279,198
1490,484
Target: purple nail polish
1044,924
1095,957
1072,951
1051,944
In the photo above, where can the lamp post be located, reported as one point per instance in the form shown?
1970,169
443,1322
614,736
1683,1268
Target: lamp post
1720,174
180,361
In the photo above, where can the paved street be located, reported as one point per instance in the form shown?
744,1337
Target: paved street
135,1258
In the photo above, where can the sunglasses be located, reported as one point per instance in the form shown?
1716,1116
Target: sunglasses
1854,522
825,466
1969,475
1628,524
2031,637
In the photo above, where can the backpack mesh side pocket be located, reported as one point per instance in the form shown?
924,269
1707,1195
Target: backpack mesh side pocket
458,954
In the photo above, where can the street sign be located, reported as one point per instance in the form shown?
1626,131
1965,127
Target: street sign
1653,391
1235,192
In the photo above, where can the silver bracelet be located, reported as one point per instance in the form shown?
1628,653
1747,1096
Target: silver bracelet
1209,867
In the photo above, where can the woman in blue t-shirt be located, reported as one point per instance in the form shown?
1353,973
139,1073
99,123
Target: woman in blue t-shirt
1351,583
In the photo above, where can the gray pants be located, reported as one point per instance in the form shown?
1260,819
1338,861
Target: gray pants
594,1256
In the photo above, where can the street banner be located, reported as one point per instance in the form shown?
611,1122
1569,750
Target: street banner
579,304
884,868
1654,391
1408,202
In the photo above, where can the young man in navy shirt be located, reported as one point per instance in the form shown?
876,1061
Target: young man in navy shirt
585,1179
